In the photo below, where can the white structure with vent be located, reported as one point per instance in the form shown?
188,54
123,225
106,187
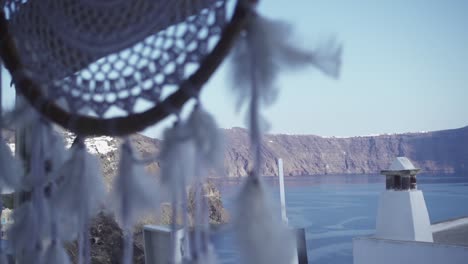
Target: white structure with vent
403,231
402,212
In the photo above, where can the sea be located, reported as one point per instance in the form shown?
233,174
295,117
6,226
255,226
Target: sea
333,209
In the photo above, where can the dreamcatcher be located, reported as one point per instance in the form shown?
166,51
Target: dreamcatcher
115,68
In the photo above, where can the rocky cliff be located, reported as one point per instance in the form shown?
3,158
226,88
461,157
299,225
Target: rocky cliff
443,151
434,152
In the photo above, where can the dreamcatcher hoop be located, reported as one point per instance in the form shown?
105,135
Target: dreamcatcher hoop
85,125
33,44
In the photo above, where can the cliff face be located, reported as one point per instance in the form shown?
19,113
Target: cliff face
434,152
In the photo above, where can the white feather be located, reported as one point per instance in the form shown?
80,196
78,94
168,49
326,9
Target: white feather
79,191
40,137
55,151
177,169
266,49
21,116
31,225
207,137
80,182
134,192
177,158
33,127
261,235
10,169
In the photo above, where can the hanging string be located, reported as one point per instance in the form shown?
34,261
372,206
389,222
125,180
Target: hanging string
200,211
54,217
83,236
260,55
1,141
207,139
255,134
177,159
127,228
55,253
174,194
128,244
40,207
174,197
184,206
1,103
173,258
48,166
198,248
133,194
78,196
201,245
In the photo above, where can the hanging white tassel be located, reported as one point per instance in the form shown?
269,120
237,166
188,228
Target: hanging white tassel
10,176
11,171
134,193
177,157
209,153
268,48
177,169
22,116
55,252
79,191
259,56
177,164
262,237
207,137
31,226
80,183
32,219
53,153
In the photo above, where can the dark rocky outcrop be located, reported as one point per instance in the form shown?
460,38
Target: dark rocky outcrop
105,233
106,236
106,243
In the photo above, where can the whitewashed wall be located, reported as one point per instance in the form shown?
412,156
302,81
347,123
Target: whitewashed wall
381,251
402,215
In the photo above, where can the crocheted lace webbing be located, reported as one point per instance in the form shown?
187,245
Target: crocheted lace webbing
95,54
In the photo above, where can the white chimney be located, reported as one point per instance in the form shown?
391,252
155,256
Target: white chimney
402,212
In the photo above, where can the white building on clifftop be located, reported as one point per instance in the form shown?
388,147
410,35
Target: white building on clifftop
404,233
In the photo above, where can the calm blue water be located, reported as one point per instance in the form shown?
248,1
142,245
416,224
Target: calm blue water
334,209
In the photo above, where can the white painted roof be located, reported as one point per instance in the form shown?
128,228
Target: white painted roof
401,163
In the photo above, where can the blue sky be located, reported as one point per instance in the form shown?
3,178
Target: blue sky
405,68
